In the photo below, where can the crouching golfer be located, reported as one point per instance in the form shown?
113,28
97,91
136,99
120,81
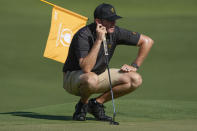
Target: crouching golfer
85,68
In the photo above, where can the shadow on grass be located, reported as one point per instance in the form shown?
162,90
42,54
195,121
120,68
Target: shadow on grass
42,116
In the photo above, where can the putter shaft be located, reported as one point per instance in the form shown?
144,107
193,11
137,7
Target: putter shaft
110,84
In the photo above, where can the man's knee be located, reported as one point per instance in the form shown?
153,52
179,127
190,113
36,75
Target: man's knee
136,79
132,79
89,80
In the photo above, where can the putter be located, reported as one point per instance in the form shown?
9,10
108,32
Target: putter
112,122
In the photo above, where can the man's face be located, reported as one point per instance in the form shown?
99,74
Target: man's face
109,25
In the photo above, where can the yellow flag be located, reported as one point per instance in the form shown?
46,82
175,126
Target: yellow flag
64,25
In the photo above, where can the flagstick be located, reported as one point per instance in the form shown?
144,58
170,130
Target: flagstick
48,3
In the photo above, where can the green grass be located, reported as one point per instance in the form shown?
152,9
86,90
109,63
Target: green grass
31,93
132,114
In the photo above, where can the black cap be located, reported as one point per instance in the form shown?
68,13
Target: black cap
106,12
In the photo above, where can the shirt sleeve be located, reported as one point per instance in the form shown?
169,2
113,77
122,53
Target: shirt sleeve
82,45
126,37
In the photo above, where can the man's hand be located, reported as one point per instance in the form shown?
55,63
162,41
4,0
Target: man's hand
100,32
128,68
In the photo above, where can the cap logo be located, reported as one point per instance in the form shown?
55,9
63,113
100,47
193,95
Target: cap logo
112,10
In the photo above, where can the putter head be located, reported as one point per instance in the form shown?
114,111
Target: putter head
114,122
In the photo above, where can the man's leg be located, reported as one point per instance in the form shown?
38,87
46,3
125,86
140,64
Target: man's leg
80,84
88,85
125,83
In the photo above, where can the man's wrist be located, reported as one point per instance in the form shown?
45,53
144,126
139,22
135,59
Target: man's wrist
99,41
135,65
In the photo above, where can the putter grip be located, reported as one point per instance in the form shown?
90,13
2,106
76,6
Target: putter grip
105,46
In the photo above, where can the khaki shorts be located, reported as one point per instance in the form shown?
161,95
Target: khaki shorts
71,81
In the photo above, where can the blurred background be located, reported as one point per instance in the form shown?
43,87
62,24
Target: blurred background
29,80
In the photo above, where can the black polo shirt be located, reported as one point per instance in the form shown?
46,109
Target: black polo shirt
84,39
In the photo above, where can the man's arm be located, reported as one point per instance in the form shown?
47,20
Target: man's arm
145,43
87,63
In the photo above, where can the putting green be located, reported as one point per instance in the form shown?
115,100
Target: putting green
132,114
